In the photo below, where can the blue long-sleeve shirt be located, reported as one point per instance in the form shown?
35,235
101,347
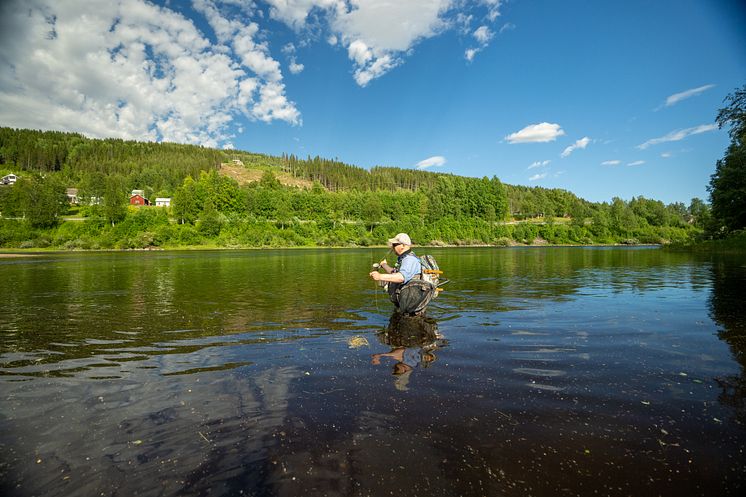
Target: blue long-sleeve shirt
409,266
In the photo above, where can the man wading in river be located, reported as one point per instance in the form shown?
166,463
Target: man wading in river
405,286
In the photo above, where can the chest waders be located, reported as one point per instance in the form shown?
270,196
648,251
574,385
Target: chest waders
413,296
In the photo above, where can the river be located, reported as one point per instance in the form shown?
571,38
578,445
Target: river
538,371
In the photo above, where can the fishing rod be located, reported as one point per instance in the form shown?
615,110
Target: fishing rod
377,265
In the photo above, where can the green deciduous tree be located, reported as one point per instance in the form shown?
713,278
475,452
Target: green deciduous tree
728,183
115,200
372,210
209,223
185,207
42,200
699,212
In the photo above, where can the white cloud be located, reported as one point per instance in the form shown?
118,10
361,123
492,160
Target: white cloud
133,70
359,52
536,133
273,104
390,26
435,161
678,97
295,67
666,155
483,34
295,12
493,8
379,67
537,177
508,26
678,135
636,163
378,35
611,163
580,144
539,164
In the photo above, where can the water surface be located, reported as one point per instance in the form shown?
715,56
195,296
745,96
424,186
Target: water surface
539,371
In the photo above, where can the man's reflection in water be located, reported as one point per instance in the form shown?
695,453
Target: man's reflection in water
728,310
413,341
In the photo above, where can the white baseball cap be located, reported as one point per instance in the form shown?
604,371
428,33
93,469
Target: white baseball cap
401,238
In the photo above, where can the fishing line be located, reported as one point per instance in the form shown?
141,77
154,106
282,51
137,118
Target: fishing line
376,266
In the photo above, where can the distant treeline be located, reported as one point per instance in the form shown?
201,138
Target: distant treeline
347,205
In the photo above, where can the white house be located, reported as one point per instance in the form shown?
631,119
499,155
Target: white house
9,179
72,195
163,202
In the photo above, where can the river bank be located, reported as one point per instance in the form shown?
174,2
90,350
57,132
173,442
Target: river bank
30,252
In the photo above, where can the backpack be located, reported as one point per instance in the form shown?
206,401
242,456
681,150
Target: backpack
431,272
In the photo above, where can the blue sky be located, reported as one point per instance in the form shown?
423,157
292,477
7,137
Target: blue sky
600,98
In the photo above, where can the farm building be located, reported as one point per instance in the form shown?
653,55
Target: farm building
9,179
138,200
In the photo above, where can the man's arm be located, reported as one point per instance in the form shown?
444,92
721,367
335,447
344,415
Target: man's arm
391,278
385,266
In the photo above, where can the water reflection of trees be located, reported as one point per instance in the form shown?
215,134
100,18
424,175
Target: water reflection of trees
504,279
728,310
78,310
65,314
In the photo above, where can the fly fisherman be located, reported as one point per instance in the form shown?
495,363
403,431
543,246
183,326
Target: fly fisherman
410,286
408,265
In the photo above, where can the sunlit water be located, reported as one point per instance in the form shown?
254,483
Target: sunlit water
541,371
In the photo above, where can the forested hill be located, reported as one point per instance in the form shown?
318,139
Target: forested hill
237,198
160,168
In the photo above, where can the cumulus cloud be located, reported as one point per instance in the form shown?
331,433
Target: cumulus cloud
379,35
537,177
580,144
435,161
295,12
133,70
483,34
678,97
536,133
295,67
678,135
376,34
636,163
611,163
539,164
493,8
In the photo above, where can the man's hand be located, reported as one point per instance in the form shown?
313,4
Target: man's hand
383,263
375,275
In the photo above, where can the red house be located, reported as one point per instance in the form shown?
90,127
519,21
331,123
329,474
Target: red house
138,200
